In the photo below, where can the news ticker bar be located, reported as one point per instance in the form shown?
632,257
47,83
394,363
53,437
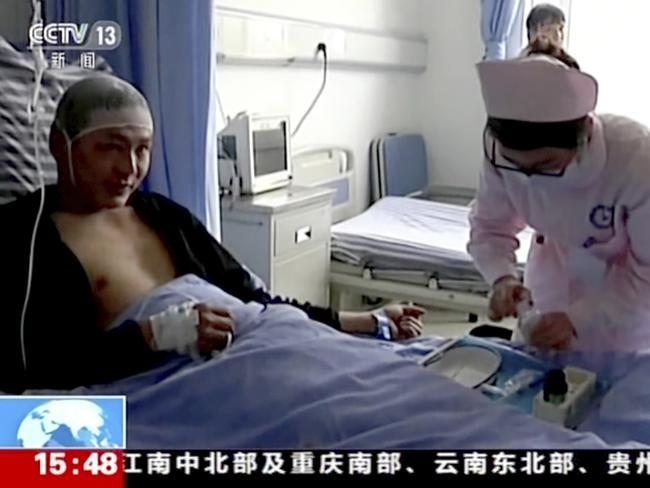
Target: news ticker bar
113,469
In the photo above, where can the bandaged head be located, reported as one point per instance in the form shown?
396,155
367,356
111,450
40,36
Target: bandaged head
99,102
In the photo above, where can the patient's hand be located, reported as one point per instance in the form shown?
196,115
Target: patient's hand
216,328
406,319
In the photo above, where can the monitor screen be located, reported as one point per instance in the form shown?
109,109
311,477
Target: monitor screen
270,150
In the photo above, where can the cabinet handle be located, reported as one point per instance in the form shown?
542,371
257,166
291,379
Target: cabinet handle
303,234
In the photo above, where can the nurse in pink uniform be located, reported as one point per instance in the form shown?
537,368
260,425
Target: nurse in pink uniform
581,181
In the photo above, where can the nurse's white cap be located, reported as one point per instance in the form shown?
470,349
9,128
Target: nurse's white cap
536,88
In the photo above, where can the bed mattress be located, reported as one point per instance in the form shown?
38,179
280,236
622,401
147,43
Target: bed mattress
414,237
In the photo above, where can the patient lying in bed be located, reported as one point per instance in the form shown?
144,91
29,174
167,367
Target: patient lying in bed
102,246
327,390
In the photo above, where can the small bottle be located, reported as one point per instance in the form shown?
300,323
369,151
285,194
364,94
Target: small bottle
555,387
527,319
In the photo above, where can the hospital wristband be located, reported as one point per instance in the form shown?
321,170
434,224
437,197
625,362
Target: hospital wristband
383,323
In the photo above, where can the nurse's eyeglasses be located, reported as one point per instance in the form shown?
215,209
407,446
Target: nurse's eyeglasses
512,166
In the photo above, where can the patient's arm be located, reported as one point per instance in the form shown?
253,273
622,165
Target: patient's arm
223,270
405,321
127,350
118,353
220,268
216,330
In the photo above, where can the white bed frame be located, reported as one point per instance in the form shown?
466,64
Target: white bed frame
335,164
343,284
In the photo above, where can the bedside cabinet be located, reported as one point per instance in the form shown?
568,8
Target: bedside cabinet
283,236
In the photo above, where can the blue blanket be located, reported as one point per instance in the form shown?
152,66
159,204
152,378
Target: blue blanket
288,382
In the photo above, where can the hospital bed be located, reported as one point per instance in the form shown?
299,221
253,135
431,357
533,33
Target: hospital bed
322,389
411,243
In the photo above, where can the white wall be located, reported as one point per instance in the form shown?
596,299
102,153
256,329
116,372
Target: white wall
618,61
452,116
444,103
356,105
391,15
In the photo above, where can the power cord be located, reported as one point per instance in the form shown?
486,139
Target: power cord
224,118
322,47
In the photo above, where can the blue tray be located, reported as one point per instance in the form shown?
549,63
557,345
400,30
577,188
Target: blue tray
512,362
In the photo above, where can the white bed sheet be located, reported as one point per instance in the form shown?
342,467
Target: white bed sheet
407,233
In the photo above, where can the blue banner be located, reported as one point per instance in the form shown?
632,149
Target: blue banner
76,422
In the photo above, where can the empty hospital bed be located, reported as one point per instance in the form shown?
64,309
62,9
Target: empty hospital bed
411,249
410,244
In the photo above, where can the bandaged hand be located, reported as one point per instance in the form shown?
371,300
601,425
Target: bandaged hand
553,331
192,329
507,292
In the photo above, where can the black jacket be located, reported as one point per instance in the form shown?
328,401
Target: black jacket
64,348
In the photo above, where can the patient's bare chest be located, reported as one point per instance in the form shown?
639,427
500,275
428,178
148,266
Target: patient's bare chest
123,258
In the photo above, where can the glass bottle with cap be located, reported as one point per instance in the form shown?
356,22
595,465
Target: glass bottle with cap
555,387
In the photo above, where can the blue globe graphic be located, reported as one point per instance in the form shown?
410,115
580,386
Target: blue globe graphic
65,423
